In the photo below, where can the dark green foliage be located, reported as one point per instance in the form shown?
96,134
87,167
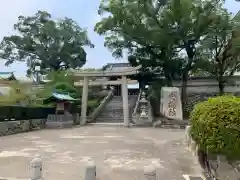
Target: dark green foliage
220,49
61,82
164,38
93,104
24,113
216,126
53,42
136,26
66,88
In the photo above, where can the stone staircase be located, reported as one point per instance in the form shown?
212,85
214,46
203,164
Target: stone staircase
113,112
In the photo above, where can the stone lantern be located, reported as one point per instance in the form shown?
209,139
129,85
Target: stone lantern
143,106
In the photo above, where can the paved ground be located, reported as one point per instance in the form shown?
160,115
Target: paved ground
120,153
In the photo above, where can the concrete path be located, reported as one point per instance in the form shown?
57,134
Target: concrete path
120,153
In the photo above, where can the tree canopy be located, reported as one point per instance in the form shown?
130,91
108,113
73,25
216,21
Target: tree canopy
164,37
53,42
220,49
156,32
60,82
136,26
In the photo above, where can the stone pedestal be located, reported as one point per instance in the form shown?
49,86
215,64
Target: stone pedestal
59,121
171,106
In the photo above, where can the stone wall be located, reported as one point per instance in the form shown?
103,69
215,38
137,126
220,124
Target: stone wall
13,127
194,98
201,88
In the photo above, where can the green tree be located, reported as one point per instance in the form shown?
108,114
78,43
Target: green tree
20,93
136,26
221,48
51,41
188,22
60,82
156,35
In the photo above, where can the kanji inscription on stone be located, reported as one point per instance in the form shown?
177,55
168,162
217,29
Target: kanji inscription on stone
172,103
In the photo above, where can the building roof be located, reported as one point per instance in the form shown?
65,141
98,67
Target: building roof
57,97
7,76
111,66
65,97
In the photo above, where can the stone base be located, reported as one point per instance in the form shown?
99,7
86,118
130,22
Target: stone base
13,127
143,122
170,123
53,125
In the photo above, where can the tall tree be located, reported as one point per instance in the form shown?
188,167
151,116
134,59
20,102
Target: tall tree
158,34
136,26
39,37
188,21
221,48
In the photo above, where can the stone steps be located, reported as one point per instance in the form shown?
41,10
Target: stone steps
113,112
104,124
170,123
110,116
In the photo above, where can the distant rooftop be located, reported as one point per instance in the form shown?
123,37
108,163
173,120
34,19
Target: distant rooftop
111,66
7,76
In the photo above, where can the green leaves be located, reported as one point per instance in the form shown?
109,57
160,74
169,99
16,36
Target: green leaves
221,46
53,42
216,126
135,26
172,38
61,82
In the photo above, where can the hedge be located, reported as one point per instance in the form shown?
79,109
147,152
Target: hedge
216,126
24,113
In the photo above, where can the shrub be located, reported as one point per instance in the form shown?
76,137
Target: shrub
216,126
24,113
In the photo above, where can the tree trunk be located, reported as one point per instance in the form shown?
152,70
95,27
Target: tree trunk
184,90
221,86
169,82
221,82
168,78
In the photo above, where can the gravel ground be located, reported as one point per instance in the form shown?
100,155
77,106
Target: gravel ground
119,153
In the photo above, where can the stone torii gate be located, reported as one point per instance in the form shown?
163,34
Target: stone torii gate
87,75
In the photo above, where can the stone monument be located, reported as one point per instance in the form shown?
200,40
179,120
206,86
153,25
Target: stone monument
171,106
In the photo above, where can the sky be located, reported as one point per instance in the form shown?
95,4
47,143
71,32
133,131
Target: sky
82,11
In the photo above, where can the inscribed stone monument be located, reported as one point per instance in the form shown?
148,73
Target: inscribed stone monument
171,105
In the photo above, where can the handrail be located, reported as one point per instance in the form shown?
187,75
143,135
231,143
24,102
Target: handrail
102,104
137,103
150,112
